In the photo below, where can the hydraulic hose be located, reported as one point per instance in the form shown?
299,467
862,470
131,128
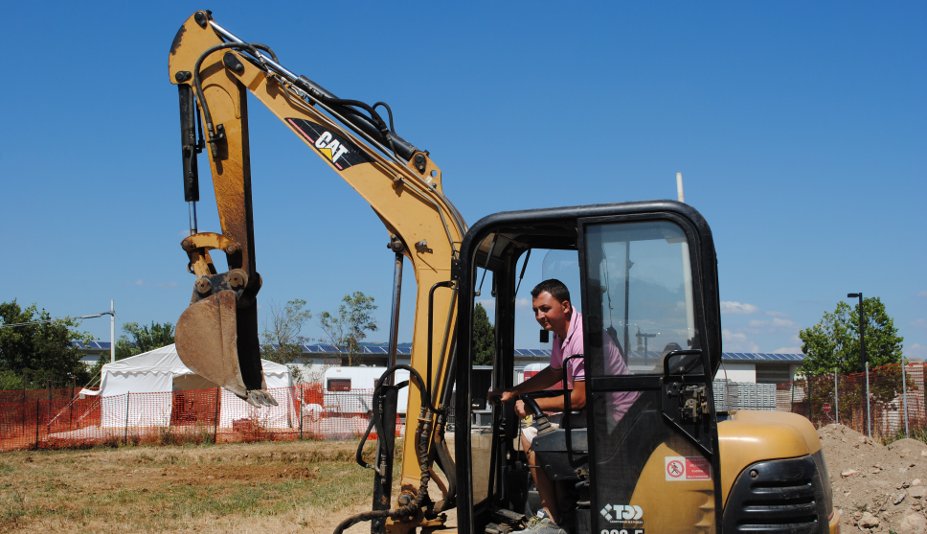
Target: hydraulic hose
422,437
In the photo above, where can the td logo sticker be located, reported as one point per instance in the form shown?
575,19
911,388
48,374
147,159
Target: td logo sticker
618,513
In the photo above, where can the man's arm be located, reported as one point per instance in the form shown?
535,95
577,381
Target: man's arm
545,378
557,404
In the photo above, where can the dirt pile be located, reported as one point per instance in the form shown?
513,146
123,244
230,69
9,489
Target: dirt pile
877,488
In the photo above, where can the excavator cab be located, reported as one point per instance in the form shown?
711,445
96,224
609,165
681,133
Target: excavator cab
643,277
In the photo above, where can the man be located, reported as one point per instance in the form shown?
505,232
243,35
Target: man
555,313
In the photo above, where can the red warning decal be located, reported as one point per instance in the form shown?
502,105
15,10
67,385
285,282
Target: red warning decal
683,468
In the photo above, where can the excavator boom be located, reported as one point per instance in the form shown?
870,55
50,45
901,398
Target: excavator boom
217,335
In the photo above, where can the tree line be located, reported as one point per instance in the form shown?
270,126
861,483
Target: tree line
39,351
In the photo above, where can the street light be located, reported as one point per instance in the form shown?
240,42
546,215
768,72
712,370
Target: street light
112,327
644,336
862,352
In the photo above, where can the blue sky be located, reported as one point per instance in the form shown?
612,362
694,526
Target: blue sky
799,128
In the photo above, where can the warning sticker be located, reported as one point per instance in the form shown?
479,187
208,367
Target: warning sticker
681,468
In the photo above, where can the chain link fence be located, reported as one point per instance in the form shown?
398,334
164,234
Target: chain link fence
895,406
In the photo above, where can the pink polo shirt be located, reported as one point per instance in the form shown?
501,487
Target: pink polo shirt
570,346
619,402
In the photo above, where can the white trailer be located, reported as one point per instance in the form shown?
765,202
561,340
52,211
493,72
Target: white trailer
349,390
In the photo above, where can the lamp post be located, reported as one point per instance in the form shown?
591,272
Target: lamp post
112,327
862,352
645,336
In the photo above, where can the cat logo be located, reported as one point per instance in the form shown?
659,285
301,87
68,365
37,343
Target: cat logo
330,147
339,151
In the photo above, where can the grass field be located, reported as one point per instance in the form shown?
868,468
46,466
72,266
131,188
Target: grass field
279,487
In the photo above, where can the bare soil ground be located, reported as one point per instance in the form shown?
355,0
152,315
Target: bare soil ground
878,488
311,486
307,486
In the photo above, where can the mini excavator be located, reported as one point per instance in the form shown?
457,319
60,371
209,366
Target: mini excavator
670,463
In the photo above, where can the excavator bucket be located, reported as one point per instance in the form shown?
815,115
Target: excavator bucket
218,340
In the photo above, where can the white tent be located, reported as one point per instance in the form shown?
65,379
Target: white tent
152,378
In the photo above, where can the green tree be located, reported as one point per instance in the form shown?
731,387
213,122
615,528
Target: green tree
37,351
833,343
282,339
143,338
350,326
484,337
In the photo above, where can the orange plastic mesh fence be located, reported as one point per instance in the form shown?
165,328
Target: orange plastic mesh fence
53,418
60,418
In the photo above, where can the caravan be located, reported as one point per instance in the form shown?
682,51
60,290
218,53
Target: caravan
348,391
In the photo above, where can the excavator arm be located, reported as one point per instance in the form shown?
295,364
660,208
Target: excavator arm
217,335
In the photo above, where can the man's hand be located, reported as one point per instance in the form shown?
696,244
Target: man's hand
504,395
507,395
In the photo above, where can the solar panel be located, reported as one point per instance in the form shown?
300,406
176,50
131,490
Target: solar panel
405,349
761,357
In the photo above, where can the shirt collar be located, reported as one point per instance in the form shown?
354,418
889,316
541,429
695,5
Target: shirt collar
575,320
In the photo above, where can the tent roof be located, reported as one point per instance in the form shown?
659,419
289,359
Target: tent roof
165,360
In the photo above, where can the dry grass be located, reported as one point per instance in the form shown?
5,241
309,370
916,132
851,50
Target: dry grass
307,486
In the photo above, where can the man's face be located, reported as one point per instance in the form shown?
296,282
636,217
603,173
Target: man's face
551,314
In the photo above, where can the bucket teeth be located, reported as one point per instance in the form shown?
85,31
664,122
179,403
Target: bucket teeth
260,397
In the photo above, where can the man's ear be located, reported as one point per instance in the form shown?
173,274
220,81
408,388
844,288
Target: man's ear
567,307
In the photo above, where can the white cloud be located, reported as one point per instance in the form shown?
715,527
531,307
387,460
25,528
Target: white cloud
774,323
788,350
737,308
916,351
920,323
523,303
737,342
782,322
139,282
922,294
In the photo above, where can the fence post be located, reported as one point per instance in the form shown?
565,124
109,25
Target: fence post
37,423
71,410
808,397
126,434
904,396
836,400
299,392
215,428
868,412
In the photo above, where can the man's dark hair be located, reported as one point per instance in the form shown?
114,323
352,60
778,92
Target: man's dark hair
556,288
